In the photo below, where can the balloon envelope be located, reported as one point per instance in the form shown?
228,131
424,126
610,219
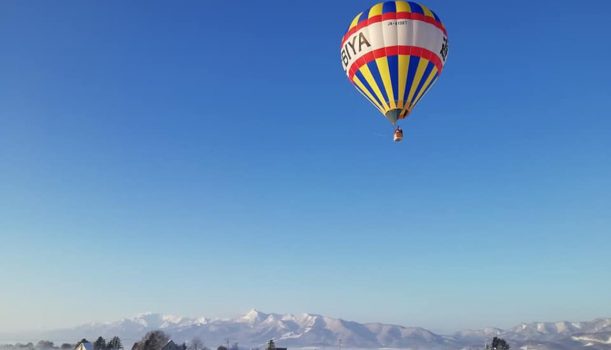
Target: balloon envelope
393,53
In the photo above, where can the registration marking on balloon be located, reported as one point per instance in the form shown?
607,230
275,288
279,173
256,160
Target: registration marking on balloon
393,53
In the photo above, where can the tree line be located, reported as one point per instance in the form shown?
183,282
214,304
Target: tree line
41,345
99,344
156,340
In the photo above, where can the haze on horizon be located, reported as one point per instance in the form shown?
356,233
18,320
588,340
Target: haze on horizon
205,158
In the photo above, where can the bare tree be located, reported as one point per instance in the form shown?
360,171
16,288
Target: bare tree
196,344
45,344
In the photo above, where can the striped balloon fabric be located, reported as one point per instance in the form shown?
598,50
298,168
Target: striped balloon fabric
393,53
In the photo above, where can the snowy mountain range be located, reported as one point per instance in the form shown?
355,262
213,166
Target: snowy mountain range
255,328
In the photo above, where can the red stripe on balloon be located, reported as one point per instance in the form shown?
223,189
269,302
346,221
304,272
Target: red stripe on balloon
394,16
393,51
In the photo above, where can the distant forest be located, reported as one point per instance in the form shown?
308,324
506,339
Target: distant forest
41,345
155,340
99,344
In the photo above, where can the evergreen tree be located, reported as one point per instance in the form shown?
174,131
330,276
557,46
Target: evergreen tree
154,340
100,344
271,345
498,344
114,344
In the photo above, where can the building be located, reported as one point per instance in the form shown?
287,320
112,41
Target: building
172,346
84,346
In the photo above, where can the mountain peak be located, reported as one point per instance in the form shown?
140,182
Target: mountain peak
254,315
255,328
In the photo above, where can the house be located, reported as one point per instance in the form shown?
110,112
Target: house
172,346
84,346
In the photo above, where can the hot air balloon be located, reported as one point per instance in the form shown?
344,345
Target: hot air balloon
393,53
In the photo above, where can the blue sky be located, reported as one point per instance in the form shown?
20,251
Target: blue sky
204,158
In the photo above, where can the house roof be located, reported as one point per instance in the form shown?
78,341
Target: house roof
172,346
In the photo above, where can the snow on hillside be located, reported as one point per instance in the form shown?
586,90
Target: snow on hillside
255,328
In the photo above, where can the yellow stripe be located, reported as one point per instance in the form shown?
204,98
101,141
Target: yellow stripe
426,10
372,82
403,64
424,86
355,21
419,71
403,6
363,90
376,10
385,74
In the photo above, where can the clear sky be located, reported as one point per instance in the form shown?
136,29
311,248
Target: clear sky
208,157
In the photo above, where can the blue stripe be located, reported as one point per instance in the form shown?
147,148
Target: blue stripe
364,16
366,84
425,90
389,6
411,73
425,76
373,67
436,17
393,69
361,16
416,8
367,97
